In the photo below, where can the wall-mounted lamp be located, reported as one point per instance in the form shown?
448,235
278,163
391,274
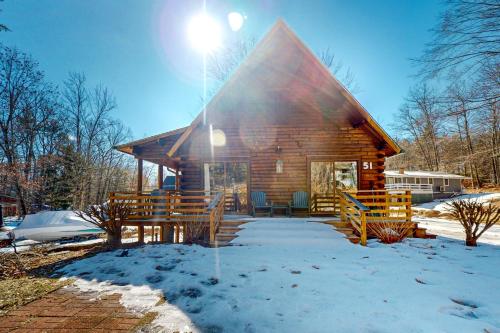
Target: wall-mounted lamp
279,166
278,150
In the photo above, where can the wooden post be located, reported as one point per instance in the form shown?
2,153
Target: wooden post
139,175
160,176
177,180
364,235
177,232
212,227
408,206
140,229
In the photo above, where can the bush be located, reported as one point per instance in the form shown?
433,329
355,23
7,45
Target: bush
108,217
390,232
473,214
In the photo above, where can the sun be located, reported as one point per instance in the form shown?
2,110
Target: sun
204,33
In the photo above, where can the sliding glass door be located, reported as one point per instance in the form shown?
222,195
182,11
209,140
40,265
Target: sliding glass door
230,178
326,178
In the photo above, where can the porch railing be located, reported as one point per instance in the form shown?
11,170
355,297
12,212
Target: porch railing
422,188
324,203
364,207
172,211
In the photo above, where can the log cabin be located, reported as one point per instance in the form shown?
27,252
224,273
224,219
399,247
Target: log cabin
282,123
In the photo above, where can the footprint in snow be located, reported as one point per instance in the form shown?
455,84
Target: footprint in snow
262,270
315,266
243,275
165,268
295,272
191,292
154,278
464,302
466,272
421,281
110,270
210,282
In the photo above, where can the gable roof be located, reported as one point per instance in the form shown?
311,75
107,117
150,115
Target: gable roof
128,147
327,84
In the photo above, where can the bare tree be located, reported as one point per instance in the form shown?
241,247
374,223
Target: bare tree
475,217
108,217
465,40
27,106
419,119
337,68
3,27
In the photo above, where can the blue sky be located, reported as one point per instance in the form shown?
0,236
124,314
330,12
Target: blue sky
140,49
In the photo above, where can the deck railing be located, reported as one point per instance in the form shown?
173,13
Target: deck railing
422,188
324,204
364,207
172,211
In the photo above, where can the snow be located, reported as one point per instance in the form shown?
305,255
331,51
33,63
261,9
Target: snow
293,275
442,205
453,229
52,225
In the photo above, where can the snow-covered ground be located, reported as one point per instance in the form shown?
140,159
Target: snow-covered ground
453,229
291,275
442,205
435,217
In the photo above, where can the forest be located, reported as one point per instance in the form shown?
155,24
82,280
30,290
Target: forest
56,142
450,120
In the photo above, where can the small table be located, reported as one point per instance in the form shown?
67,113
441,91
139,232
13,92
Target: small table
283,206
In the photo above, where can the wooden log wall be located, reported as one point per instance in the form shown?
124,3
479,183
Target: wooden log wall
298,146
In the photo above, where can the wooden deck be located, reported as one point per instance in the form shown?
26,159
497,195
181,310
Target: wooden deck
360,209
176,214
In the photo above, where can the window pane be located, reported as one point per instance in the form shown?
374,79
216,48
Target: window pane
346,175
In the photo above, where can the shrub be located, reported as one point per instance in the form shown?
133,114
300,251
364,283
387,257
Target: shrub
390,232
108,217
475,217
196,230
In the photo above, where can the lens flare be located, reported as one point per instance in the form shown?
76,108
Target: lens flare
204,33
235,20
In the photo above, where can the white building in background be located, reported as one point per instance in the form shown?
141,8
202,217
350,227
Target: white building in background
425,185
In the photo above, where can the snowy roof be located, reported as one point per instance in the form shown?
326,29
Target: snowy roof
423,174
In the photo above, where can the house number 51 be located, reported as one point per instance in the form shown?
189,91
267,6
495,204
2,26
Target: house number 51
367,165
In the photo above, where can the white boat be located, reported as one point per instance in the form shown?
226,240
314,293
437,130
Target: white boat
53,225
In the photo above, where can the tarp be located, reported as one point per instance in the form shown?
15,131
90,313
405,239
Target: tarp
52,225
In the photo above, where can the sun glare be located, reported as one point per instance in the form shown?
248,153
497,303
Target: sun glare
204,33
235,20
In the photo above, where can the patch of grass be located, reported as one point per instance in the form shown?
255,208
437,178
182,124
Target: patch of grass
145,322
20,291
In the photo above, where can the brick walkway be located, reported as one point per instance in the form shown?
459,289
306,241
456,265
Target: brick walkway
71,310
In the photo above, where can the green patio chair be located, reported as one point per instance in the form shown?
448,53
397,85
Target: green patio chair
300,200
259,202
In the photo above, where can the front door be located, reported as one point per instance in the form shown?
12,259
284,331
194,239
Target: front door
326,178
230,178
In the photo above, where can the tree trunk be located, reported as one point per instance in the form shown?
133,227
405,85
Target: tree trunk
114,239
471,241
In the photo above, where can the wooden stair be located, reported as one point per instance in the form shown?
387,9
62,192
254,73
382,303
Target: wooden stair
347,229
227,232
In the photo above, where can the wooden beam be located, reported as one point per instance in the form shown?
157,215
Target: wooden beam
160,176
139,175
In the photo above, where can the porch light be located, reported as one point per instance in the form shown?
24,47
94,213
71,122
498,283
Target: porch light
279,166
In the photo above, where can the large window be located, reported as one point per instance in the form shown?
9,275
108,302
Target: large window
328,176
231,178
